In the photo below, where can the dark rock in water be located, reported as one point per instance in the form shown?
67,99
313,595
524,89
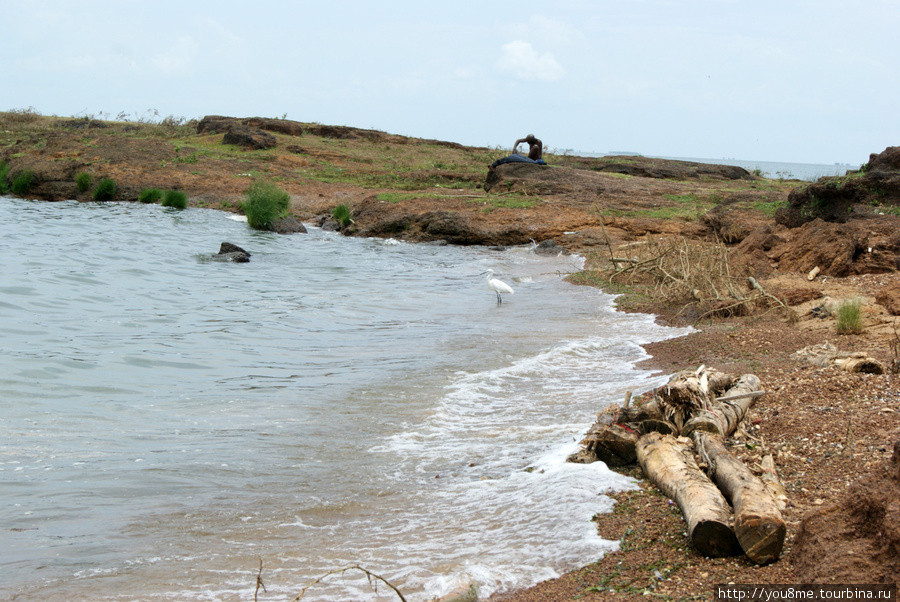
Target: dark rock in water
248,137
288,225
549,248
230,252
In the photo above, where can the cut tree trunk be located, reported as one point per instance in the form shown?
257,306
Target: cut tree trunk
670,465
690,391
770,477
722,417
758,523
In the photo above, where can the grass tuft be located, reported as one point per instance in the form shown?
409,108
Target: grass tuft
150,195
83,181
21,184
343,215
265,203
105,190
849,317
174,198
4,170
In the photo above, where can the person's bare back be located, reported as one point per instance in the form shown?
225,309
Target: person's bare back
535,147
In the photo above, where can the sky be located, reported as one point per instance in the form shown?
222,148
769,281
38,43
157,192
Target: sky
800,81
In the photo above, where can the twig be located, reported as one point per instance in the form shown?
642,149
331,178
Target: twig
259,582
369,574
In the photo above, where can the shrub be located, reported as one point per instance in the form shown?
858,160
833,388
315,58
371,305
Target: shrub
4,169
83,181
21,184
174,198
105,190
342,215
849,317
265,202
150,195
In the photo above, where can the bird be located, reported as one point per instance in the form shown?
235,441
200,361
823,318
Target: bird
498,286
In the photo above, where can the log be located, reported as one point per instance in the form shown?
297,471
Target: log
670,465
758,523
723,416
612,444
770,477
690,391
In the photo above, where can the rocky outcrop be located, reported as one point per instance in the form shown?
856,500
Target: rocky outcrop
249,138
532,178
866,192
648,167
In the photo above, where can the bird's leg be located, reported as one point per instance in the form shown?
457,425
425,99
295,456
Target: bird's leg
499,299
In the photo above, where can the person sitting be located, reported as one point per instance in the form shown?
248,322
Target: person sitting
535,147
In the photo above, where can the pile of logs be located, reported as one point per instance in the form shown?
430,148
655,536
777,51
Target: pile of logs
698,410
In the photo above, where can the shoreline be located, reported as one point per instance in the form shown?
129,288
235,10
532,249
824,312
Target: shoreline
595,207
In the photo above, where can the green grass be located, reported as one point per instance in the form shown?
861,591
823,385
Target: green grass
769,208
265,203
105,190
150,195
849,317
174,198
343,215
83,181
4,170
21,184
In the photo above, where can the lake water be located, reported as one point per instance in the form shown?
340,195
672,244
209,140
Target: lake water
170,422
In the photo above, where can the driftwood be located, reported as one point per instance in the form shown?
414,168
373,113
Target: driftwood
690,391
670,465
704,406
723,415
758,523
770,477
826,354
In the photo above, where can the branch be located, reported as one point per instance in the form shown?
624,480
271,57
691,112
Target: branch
368,573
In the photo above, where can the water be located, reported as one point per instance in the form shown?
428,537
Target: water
809,172
170,422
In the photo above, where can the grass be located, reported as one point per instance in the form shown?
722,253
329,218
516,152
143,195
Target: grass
265,203
849,317
174,198
150,195
83,181
4,170
21,184
105,190
343,215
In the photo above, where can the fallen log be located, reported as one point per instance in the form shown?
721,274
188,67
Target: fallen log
690,391
723,416
758,523
670,465
770,477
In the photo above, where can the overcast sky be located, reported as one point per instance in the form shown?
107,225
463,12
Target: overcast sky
812,81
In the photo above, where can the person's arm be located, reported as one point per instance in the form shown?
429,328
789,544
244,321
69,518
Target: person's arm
518,142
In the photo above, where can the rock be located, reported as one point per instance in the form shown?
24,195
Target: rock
231,252
549,248
249,138
288,225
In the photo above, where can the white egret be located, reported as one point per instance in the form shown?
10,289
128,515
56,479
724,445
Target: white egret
498,286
